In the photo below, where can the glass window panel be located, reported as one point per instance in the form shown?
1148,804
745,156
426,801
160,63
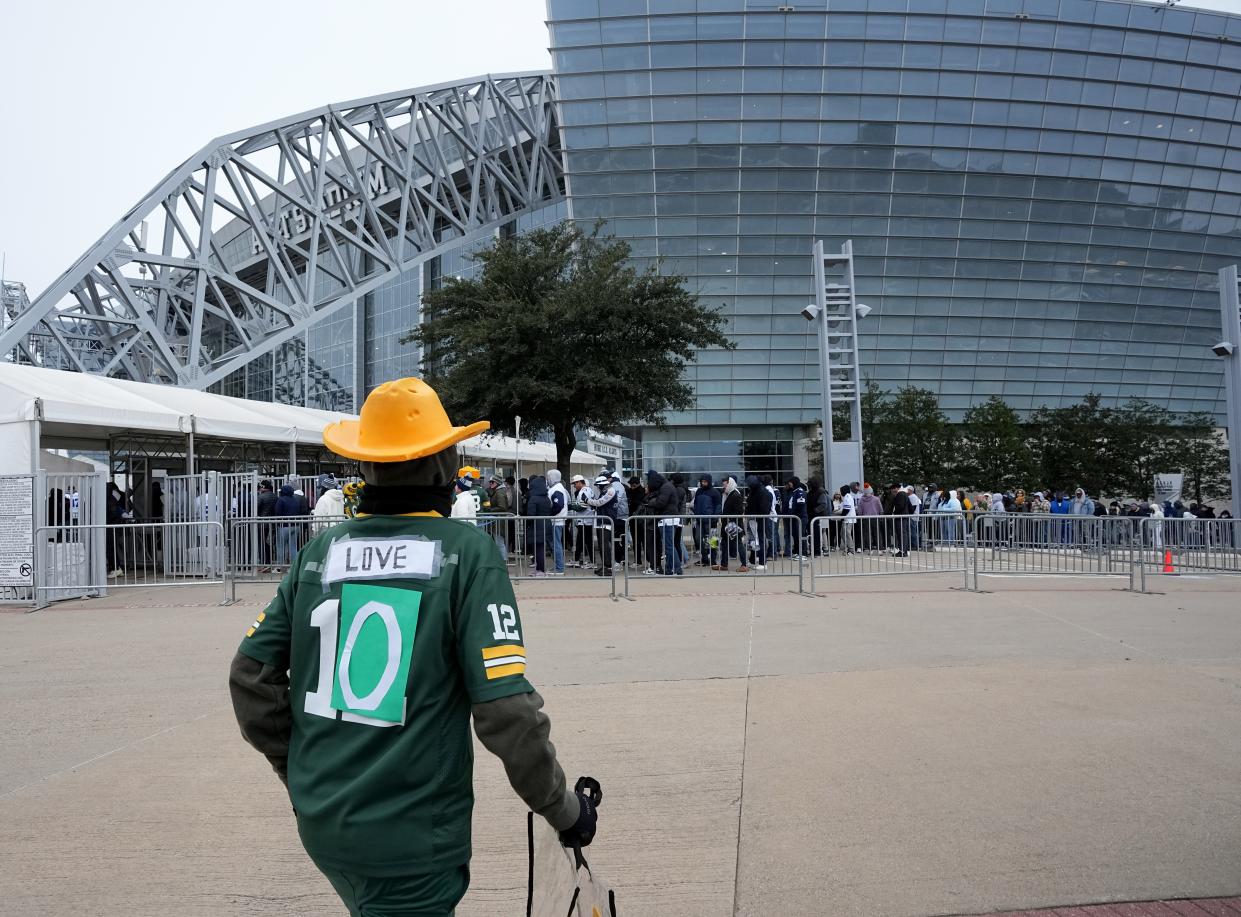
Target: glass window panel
626,57
617,31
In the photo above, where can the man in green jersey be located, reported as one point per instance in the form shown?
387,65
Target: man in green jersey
359,679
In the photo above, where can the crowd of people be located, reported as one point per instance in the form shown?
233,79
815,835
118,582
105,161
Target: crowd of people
660,524
745,525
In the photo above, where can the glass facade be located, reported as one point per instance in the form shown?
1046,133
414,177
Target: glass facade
1039,192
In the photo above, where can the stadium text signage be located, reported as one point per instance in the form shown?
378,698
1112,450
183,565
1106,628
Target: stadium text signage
338,202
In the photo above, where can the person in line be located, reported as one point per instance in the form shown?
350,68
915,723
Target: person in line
662,502
902,509
381,785
330,507
678,481
818,506
288,529
559,500
772,527
583,523
265,508
303,505
499,498
622,515
915,522
707,504
758,504
798,525
639,530
605,507
467,503
732,530
867,510
951,504
848,518
539,508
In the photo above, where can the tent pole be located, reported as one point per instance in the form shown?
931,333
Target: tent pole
292,460
36,435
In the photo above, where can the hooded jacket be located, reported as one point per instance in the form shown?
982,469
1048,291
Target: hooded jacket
707,500
951,505
795,504
558,497
331,503
758,497
869,505
662,499
622,499
1082,507
734,503
537,504
265,505
287,504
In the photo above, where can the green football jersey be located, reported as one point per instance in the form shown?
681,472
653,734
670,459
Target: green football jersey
390,628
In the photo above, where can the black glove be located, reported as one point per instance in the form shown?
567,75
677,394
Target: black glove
589,795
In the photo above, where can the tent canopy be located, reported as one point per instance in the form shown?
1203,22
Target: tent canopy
506,449
94,407
89,407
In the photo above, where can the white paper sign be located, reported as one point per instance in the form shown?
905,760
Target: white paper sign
381,558
1168,487
16,531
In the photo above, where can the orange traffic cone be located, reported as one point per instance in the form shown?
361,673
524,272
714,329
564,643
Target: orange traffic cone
1167,561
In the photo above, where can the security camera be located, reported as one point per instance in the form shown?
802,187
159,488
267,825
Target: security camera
1223,349
810,312
862,310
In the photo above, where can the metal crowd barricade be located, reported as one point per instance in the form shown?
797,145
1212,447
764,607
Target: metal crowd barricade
133,556
767,546
261,548
526,536
889,546
1019,544
1188,546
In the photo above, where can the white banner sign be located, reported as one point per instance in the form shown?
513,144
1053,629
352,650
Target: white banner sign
1168,487
16,531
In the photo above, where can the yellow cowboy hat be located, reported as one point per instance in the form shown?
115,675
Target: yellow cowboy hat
401,420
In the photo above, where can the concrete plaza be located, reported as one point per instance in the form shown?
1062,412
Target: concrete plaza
900,747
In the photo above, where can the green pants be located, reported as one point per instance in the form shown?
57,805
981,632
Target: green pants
430,895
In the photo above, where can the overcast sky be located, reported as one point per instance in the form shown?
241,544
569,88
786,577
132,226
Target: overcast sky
100,100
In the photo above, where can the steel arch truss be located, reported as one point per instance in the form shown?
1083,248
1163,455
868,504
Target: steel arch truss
263,233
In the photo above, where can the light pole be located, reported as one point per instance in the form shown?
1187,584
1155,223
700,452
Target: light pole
1230,322
835,311
517,444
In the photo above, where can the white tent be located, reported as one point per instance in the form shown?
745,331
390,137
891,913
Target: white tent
37,402
494,451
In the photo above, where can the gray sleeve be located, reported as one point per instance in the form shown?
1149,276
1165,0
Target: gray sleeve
260,695
516,730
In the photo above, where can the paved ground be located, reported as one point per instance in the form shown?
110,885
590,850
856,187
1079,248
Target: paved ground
884,751
1203,907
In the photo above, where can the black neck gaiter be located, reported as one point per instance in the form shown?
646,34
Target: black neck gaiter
398,500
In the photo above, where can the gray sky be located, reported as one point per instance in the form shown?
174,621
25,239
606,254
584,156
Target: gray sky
100,100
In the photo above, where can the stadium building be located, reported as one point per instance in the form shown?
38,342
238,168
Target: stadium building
1039,195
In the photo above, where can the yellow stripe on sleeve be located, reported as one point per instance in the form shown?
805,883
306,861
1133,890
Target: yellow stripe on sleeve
500,671
250,632
495,652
